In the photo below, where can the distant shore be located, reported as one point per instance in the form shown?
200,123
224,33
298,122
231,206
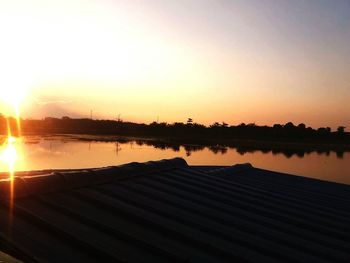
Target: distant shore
245,145
248,136
253,143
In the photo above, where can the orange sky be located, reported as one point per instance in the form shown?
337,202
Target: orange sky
232,61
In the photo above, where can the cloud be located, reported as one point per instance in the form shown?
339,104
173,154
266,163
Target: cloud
50,102
50,107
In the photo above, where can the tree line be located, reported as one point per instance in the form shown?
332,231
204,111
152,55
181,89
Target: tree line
183,130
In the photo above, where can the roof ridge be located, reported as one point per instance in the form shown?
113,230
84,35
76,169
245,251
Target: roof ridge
237,168
63,180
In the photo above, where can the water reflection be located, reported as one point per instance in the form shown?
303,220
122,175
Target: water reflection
9,154
70,152
223,149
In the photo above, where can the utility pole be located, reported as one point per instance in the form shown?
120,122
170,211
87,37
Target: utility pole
91,114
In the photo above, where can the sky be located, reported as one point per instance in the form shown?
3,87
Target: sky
252,61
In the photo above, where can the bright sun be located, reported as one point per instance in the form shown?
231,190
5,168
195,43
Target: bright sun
13,96
13,92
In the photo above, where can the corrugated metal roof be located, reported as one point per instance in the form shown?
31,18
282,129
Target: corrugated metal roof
168,211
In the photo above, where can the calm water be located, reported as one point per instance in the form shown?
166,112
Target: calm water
36,153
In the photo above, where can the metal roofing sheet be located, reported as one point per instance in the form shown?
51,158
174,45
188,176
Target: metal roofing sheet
168,211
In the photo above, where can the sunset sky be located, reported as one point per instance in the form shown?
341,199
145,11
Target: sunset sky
262,61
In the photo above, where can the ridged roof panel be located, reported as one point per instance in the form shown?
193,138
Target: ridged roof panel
170,212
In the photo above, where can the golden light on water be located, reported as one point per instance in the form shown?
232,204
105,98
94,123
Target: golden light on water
12,94
8,152
9,155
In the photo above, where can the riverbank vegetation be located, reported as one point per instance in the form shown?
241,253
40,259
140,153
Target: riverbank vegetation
190,131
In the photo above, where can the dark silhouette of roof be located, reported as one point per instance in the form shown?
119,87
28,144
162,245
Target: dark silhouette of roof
168,211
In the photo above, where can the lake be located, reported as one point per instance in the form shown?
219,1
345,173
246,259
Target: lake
70,152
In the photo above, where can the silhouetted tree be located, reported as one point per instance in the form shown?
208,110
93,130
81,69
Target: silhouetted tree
341,129
215,125
224,124
289,125
302,126
189,131
322,130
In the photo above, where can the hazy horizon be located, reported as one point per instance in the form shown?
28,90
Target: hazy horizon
235,61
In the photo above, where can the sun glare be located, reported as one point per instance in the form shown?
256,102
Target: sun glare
13,95
9,155
13,90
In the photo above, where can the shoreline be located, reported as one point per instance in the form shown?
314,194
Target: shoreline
197,141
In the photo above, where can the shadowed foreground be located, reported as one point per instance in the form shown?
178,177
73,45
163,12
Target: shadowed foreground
168,211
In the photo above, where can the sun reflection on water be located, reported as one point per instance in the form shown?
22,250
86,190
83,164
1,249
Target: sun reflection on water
8,158
8,149
9,155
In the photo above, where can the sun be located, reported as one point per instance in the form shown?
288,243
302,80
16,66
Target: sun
13,90
13,96
13,93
